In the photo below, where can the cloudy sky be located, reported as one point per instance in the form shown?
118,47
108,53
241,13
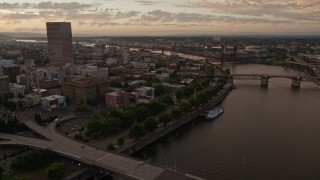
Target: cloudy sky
164,17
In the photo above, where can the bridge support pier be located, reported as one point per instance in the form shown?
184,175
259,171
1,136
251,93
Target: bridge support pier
296,82
264,81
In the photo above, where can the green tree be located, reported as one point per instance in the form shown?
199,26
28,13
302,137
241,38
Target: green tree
152,81
93,127
185,107
167,99
179,94
165,118
120,141
142,112
56,171
112,125
156,107
115,84
32,160
137,131
37,118
1,172
129,89
176,113
159,90
151,124
202,97
83,108
160,64
194,102
111,147
129,116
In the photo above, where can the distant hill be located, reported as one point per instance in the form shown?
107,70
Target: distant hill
2,36
35,35
23,34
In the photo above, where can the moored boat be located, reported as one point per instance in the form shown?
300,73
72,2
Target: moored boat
212,114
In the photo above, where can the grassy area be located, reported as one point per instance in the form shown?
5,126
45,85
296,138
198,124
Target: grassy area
36,174
8,177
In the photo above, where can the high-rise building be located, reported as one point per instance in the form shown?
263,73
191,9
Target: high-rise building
4,85
12,71
60,48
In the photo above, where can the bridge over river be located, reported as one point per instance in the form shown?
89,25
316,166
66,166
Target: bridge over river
120,167
264,78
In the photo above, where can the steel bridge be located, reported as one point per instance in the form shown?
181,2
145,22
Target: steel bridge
264,78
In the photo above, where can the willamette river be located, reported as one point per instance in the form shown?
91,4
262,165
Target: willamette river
271,133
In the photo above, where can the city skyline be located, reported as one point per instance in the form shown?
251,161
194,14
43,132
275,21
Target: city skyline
155,17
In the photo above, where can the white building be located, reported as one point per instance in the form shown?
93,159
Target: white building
95,71
47,73
17,89
145,91
53,102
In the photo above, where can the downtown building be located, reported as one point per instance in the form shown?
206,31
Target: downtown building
4,85
117,99
60,48
81,90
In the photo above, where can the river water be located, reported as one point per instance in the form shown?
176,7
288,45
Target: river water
271,133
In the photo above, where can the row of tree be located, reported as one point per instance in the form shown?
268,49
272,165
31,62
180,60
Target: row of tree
33,160
139,130
198,84
115,120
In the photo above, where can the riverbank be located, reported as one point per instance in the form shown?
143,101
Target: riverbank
140,144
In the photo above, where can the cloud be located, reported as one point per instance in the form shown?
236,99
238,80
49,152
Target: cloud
182,17
5,5
192,14
147,2
64,6
287,9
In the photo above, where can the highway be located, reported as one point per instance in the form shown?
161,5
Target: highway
110,161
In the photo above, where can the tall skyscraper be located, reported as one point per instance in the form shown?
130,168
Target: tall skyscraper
60,48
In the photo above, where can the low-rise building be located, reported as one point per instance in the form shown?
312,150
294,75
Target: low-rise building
22,79
17,90
186,81
171,88
117,99
33,99
145,91
42,92
53,102
95,72
48,83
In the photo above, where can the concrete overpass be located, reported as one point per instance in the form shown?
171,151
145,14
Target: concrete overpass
121,167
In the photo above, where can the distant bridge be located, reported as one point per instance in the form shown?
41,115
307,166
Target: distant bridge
264,78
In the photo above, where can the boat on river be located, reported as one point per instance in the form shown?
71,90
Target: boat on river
214,113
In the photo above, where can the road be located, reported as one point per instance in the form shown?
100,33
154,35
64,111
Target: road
90,155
